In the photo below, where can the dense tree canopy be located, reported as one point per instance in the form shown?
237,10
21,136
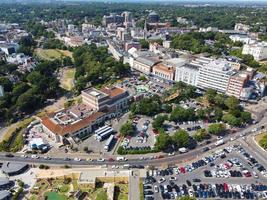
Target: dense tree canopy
96,66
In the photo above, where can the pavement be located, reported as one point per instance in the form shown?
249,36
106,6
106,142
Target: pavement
134,192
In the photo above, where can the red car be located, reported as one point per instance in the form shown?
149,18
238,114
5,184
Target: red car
225,187
182,170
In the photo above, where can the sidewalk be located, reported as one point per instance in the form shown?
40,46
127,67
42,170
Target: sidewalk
134,192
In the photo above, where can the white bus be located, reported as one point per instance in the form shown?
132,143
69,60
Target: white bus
108,143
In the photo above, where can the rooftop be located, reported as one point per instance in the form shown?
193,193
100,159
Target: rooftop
12,167
4,194
148,60
63,129
163,68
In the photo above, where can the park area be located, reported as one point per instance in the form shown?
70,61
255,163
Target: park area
67,78
52,54
67,188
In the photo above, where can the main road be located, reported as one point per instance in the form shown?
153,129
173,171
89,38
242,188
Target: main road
170,160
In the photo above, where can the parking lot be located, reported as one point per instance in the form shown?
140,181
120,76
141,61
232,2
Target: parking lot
144,136
227,173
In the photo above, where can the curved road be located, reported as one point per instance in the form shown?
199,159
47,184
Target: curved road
178,158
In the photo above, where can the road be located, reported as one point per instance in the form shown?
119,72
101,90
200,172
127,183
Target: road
170,160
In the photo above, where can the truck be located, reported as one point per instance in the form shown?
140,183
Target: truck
121,158
183,150
219,142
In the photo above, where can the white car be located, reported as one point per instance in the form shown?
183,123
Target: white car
77,159
161,180
156,189
173,178
171,154
114,167
47,158
101,160
34,156
24,156
190,192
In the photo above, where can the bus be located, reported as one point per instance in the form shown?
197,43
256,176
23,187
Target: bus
108,143
104,135
101,130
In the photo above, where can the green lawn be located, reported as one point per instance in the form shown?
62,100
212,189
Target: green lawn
121,192
101,195
55,196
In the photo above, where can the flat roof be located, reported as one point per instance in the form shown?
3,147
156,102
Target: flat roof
4,194
12,167
62,130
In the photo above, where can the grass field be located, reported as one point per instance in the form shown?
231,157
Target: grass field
52,54
260,136
67,78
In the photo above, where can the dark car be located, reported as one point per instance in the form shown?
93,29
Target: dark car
197,180
9,155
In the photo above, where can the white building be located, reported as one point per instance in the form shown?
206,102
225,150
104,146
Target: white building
241,27
242,38
215,75
257,50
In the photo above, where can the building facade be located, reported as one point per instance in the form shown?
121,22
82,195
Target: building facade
215,75
257,50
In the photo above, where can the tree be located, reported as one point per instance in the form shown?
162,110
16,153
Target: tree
127,129
163,141
158,121
6,84
210,94
147,106
187,198
216,129
218,114
232,120
181,138
144,44
246,117
201,135
28,101
180,114
232,103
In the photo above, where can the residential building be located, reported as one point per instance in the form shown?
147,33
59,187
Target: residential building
164,72
145,64
215,75
9,48
236,84
132,44
257,50
242,38
241,27
112,18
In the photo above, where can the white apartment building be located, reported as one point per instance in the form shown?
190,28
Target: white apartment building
242,38
215,75
257,50
241,27
187,73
